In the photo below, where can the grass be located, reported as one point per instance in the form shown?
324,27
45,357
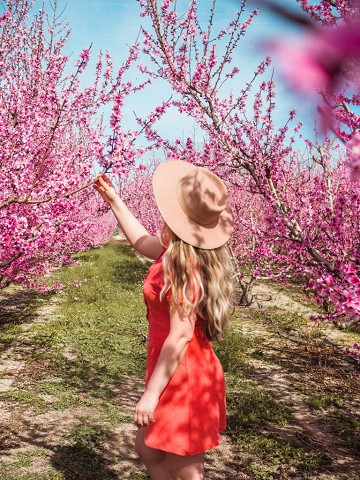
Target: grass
88,436
138,476
29,398
80,456
270,457
345,427
321,402
254,416
251,406
63,398
101,326
24,458
49,475
8,333
286,321
102,322
81,357
253,419
233,351
322,374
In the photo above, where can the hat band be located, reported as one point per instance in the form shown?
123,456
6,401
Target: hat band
190,213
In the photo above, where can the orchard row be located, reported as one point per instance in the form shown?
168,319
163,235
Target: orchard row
297,218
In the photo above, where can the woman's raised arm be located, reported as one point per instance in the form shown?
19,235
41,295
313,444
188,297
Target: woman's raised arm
136,234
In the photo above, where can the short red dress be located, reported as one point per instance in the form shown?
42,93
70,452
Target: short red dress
191,409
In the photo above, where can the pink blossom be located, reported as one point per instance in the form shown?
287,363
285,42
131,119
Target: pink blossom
353,351
302,66
316,59
328,58
295,217
85,54
325,12
5,16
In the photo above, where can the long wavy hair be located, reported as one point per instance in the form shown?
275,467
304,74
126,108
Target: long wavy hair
198,281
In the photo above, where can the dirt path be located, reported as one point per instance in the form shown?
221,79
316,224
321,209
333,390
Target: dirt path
26,433
308,427
283,382
12,356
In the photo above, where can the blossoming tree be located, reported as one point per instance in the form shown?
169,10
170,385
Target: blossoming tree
51,136
296,217
300,208
329,59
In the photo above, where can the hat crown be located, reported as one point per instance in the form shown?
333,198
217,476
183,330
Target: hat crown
202,196
194,203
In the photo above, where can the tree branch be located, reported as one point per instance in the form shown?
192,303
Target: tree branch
9,262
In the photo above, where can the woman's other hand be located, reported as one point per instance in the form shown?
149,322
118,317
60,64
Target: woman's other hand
145,408
106,189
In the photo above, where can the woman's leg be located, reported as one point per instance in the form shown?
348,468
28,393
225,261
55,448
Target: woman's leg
186,468
154,460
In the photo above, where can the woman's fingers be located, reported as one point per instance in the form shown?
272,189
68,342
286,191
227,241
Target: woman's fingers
99,188
102,182
143,419
102,179
106,179
145,409
138,418
100,185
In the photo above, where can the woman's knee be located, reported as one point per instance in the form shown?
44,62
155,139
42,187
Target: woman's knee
189,473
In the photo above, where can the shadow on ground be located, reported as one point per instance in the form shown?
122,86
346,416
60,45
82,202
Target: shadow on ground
18,306
75,442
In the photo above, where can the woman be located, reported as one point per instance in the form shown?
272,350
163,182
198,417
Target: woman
188,297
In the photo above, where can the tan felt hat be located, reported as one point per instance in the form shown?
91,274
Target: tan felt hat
194,203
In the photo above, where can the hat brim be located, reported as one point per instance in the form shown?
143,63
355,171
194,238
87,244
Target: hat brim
165,180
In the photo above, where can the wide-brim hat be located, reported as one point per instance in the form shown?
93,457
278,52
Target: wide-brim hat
194,203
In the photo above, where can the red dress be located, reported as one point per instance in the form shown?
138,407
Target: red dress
191,409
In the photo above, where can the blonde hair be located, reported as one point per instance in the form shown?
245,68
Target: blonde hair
199,281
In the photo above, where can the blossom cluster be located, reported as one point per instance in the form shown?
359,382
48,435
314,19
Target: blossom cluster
327,61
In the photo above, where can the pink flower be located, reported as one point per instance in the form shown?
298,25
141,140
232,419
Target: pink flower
85,54
316,59
6,16
353,279
301,66
329,280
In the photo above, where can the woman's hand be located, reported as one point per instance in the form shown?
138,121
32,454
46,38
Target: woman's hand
145,408
106,189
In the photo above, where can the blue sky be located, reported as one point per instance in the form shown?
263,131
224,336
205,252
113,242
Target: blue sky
113,24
